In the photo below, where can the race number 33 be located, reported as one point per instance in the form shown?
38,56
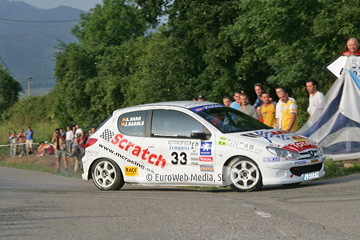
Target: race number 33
179,158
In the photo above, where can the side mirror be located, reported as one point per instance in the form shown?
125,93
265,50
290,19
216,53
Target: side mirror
198,135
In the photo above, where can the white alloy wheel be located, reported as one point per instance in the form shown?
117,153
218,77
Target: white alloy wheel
107,175
244,175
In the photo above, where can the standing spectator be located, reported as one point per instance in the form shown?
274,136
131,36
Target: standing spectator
29,140
194,99
78,130
62,133
201,98
258,87
69,139
288,112
267,110
14,142
278,121
226,101
352,45
78,156
316,98
91,131
10,144
258,90
81,142
236,103
246,107
60,149
22,140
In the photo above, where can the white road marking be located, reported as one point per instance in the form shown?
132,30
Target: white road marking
263,214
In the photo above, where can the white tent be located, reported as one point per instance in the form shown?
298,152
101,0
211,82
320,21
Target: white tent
337,127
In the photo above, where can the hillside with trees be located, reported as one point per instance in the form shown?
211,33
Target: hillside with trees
28,38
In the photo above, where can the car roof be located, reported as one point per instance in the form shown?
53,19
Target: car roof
182,104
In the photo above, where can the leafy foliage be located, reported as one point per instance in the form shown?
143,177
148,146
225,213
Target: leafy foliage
210,47
9,90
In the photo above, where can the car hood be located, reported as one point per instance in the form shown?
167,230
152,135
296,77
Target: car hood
278,138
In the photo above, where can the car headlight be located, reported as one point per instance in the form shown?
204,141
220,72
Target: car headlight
320,151
283,152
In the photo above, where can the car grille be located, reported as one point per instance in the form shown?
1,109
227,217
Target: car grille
306,169
310,154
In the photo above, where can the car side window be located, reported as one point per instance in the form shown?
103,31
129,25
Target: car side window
133,123
170,123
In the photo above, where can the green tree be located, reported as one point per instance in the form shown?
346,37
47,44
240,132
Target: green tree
9,90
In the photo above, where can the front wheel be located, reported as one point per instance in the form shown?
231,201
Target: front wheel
107,175
243,175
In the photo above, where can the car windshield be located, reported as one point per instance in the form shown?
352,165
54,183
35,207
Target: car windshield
229,120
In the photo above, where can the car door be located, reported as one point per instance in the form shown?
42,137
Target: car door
170,138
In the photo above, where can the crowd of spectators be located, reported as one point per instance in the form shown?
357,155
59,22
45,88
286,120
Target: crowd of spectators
69,143
281,115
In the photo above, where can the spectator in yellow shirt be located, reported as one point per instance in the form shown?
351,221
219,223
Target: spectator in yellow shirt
267,110
288,113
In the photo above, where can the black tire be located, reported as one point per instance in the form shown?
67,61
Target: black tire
107,175
243,175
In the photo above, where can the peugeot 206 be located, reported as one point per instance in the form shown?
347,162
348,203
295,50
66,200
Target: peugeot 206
188,143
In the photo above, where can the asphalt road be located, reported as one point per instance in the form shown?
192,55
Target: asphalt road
35,205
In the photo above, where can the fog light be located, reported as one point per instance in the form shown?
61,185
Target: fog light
281,174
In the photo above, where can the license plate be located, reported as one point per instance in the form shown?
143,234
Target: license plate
310,176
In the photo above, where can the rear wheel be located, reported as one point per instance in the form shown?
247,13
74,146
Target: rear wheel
107,175
244,175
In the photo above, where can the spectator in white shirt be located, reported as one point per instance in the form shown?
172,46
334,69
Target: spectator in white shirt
316,100
69,139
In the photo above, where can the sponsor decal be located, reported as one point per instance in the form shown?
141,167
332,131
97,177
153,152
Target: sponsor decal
273,134
125,158
206,168
271,159
206,159
107,134
315,160
199,109
131,171
179,145
194,161
300,162
205,148
131,122
242,145
301,146
195,146
144,154
299,138
222,143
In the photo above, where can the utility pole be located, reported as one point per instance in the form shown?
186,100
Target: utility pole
29,80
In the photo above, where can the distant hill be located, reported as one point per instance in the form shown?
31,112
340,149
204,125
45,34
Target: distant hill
27,46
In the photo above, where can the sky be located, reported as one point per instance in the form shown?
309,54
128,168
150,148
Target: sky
47,4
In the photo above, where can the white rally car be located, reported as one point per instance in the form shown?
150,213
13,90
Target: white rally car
196,144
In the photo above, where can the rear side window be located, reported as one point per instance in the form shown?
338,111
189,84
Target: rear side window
133,123
170,123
